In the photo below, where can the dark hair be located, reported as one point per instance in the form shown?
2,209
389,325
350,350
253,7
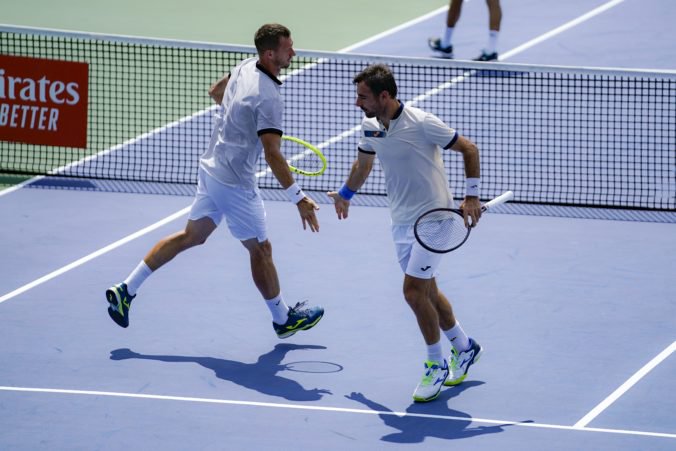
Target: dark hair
267,37
379,78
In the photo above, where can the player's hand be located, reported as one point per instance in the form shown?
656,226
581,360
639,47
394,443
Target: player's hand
471,210
342,205
306,208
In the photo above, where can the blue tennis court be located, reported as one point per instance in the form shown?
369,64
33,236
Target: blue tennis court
574,306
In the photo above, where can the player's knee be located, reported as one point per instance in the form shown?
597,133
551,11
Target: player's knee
191,239
414,295
262,250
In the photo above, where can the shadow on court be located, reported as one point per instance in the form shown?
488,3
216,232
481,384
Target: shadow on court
416,429
260,376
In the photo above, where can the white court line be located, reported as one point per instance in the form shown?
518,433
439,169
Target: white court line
403,26
506,55
580,425
93,255
596,411
138,234
332,409
561,29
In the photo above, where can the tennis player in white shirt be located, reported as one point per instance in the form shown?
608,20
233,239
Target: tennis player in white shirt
408,143
249,123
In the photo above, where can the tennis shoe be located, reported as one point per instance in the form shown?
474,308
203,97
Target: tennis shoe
120,301
487,56
461,361
435,44
431,383
300,318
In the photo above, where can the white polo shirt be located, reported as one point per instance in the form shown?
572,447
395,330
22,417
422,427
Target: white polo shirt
410,156
252,105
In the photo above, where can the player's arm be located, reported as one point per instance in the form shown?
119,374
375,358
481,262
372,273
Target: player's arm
272,142
217,90
361,168
471,206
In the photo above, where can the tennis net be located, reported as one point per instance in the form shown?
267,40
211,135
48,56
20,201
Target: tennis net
553,135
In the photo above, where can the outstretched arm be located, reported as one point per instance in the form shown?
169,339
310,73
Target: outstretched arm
361,168
280,169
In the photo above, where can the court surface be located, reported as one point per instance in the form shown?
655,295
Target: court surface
576,315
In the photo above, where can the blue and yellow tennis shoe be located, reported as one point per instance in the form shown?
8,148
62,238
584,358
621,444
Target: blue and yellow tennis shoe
431,383
300,318
461,361
120,301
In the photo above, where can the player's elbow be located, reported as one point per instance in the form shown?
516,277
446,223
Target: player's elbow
216,94
472,149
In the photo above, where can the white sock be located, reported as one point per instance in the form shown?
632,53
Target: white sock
137,277
492,41
458,337
278,308
446,38
435,353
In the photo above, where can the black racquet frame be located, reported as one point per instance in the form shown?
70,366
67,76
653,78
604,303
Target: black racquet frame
501,199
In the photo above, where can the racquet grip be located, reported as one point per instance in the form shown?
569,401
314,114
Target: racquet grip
501,199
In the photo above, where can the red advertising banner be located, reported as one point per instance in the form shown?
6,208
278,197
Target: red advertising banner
43,101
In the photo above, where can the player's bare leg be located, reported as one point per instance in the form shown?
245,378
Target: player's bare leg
195,233
263,268
286,320
417,295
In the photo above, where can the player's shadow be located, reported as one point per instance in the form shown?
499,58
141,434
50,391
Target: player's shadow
260,376
414,429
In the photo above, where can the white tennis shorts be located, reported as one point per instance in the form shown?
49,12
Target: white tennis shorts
242,208
414,259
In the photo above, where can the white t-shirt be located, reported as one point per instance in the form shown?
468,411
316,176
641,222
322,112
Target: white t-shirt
410,156
252,105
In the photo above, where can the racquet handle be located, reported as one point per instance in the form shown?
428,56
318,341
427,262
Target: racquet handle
501,199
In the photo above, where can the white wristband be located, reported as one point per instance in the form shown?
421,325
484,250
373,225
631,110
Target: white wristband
294,193
473,185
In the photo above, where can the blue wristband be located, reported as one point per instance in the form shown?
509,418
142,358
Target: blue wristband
345,192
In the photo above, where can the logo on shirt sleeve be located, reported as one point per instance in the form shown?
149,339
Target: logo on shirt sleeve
374,134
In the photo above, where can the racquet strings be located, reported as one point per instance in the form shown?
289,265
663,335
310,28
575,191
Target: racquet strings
442,230
302,158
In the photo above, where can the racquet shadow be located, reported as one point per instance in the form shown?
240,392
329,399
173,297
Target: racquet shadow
412,429
260,376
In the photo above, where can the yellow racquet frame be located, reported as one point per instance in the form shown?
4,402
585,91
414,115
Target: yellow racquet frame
309,148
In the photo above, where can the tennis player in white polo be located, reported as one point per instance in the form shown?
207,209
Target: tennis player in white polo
408,144
249,123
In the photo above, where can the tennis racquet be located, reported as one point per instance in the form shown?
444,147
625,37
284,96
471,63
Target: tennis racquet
443,229
303,158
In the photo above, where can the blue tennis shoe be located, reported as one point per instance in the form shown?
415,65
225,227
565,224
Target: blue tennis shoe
487,56
120,301
444,52
300,318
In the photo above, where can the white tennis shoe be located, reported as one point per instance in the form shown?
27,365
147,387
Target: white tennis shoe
460,362
431,383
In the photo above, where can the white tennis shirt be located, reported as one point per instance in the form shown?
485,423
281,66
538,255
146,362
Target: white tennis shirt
410,156
252,105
